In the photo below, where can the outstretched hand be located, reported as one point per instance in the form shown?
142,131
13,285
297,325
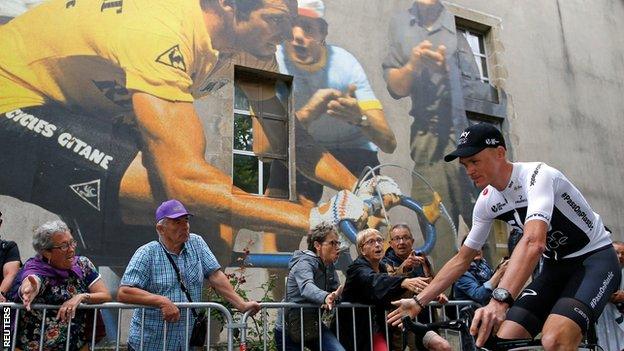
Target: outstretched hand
29,290
405,307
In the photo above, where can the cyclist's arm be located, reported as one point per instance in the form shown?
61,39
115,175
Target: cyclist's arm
173,154
525,257
449,273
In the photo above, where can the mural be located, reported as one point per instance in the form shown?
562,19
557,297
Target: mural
101,124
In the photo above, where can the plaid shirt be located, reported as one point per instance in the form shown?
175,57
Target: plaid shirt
150,270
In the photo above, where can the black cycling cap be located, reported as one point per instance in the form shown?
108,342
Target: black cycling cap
476,138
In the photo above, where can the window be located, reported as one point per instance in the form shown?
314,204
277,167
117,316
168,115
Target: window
261,131
477,44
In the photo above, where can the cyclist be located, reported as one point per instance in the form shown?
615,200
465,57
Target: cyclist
580,268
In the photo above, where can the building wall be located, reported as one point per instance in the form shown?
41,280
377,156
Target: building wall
560,64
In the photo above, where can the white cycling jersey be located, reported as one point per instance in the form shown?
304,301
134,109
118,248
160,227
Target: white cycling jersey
538,191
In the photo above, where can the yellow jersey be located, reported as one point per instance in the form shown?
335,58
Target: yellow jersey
89,55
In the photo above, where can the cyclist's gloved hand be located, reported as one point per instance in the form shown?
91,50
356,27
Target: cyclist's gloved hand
381,185
344,205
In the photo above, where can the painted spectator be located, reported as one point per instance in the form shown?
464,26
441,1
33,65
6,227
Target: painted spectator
150,279
56,276
312,278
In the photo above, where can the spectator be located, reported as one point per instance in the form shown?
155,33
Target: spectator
479,280
56,276
150,279
9,264
368,282
610,327
312,278
400,259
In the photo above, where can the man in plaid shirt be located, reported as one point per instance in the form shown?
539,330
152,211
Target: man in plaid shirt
151,280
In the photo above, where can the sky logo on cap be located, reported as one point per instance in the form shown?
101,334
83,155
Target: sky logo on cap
463,138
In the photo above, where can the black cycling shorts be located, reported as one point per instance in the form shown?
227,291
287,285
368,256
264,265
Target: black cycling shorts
577,288
69,164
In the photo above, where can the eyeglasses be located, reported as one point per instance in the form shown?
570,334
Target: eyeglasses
398,239
374,241
334,243
65,246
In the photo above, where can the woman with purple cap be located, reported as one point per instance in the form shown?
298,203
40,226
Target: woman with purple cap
56,276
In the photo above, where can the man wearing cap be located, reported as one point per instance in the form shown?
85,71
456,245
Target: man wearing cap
580,269
150,279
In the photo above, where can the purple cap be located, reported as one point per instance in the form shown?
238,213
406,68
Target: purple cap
171,209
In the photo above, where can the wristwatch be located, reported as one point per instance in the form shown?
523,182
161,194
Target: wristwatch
363,122
502,295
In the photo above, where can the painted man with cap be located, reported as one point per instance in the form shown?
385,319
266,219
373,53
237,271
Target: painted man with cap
580,268
150,279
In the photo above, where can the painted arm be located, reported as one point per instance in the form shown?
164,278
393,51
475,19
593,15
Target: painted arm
423,56
173,154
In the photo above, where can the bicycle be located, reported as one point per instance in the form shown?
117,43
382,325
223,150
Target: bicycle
462,324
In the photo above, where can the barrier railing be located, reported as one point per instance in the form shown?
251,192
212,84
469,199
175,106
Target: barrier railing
454,306
198,306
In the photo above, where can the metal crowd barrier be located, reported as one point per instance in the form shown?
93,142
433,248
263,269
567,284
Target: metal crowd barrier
455,306
198,306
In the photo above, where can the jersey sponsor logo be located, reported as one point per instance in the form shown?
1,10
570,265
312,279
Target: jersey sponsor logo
172,58
485,191
499,206
535,172
520,200
89,192
527,292
32,123
70,3
114,91
112,4
85,150
601,291
582,314
463,138
555,240
577,209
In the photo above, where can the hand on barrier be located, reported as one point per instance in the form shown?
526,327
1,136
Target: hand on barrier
432,210
68,309
252,306
344,205
171,312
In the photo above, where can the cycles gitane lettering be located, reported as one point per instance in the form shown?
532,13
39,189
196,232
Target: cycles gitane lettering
66,140
577,209
32,123
85,150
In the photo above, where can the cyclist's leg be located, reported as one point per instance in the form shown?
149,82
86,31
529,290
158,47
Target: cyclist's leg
561,333
526,317
595,277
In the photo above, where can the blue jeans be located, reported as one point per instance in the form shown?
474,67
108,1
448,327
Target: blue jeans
330,343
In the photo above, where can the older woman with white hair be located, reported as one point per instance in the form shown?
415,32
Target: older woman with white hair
56,276
368,282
